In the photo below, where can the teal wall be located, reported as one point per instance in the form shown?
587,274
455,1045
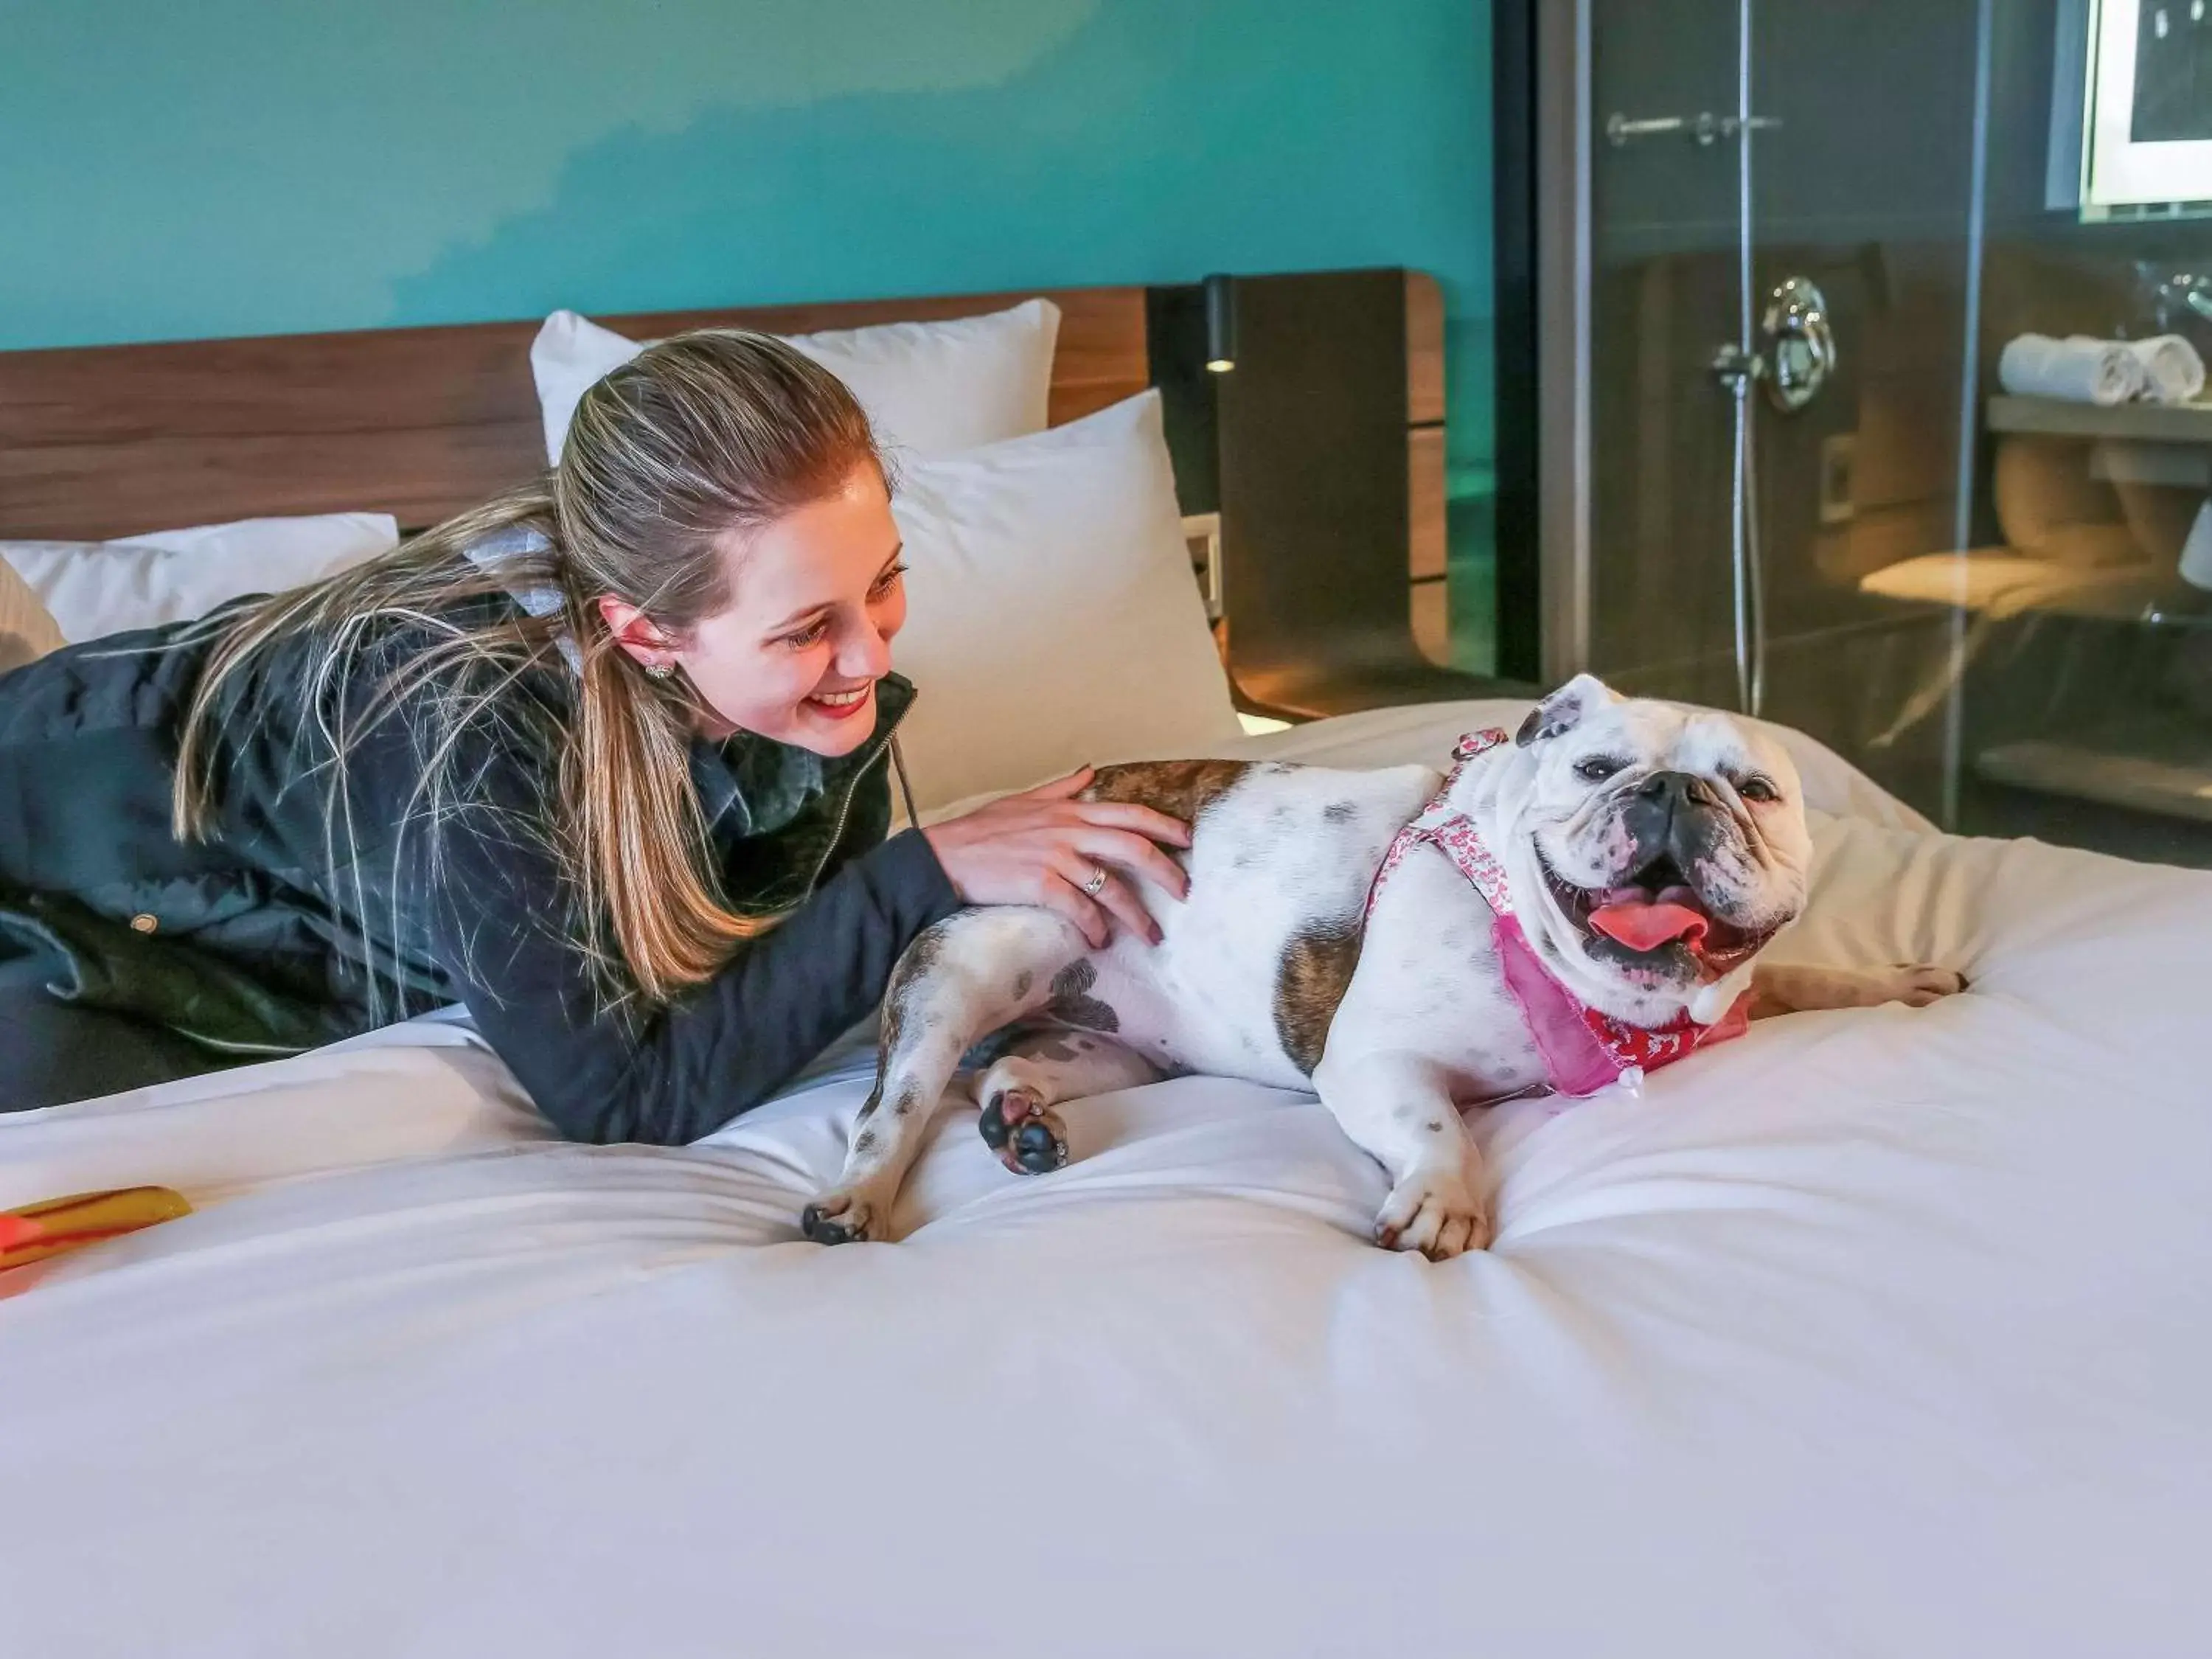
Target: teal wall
230,166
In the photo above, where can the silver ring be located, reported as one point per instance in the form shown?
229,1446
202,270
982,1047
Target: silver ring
1097,885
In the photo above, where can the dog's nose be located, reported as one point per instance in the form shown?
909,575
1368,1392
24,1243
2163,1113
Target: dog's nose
1675,790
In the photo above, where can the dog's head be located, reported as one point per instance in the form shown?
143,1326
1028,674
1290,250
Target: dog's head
1652,850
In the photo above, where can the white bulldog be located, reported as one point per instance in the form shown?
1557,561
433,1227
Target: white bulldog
1570,907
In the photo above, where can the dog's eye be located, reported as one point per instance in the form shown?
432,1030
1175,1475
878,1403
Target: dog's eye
1597,769
1757,789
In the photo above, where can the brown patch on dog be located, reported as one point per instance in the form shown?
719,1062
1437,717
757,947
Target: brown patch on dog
1073,1004
1182,789
1309,983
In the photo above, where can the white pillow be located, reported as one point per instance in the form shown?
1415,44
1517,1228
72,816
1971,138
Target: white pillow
1052,616
27,632
96,588
930,388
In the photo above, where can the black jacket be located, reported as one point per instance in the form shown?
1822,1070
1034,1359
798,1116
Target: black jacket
325,904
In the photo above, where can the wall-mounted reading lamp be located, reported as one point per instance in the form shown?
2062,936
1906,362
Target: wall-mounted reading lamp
1220,324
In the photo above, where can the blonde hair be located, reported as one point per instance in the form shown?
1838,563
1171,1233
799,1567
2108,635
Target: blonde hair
697,436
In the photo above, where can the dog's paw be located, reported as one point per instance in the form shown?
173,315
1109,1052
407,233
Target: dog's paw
1027,1135
841,1218
1918,984
1437,1211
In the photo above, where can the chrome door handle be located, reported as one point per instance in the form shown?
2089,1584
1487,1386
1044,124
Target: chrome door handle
1800,344
1704,126
1618,129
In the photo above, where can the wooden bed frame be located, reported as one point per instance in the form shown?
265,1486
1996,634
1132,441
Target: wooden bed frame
105,442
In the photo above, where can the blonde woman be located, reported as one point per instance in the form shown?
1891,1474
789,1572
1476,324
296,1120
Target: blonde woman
607,760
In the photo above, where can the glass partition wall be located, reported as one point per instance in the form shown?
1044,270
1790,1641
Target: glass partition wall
1791,465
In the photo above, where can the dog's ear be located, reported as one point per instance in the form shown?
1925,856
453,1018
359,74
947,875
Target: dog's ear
1563,710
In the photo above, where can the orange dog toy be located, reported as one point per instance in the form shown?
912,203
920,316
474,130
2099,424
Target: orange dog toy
39,1231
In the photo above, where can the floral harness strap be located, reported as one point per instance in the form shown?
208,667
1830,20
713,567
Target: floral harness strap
1585,1050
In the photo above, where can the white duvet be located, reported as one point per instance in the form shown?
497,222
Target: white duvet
1874,1332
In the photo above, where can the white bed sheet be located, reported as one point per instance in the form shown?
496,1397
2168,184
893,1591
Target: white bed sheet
1874,1332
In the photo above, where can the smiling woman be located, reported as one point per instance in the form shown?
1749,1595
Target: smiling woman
604,759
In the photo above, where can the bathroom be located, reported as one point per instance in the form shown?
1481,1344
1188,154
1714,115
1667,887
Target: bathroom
1774,254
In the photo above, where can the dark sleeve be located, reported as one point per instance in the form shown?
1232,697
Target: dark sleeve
669,1075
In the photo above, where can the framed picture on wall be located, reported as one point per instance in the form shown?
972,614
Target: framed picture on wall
2132,105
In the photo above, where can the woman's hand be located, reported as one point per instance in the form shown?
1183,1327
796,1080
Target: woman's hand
1047,848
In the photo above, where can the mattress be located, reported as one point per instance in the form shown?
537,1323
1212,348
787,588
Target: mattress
1877,1332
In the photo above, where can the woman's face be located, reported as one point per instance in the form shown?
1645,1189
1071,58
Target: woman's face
816,598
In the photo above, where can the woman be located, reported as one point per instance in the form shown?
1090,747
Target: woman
604,760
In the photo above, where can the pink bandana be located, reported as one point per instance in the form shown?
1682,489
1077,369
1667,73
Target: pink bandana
1585,1050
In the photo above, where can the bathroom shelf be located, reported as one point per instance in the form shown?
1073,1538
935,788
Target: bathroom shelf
2157,423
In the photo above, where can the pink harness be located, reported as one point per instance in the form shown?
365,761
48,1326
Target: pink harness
1585,1050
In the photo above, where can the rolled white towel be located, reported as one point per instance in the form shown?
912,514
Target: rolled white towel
2172,367
2078,370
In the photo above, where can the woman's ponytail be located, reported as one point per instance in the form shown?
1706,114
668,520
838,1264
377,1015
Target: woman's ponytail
640,845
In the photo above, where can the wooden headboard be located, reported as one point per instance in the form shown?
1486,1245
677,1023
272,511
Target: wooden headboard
98,442
1316,468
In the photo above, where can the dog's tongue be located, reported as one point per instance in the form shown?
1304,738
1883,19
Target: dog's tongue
1643,923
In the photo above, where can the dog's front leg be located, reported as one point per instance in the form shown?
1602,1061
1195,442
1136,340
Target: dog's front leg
962,980
1794,990
1397,1106
1425,991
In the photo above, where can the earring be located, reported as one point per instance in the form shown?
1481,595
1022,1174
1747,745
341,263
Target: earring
659,671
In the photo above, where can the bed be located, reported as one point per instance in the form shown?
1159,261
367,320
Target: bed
1875,1332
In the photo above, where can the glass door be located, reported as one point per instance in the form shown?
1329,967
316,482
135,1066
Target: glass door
1776,333
1811,232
